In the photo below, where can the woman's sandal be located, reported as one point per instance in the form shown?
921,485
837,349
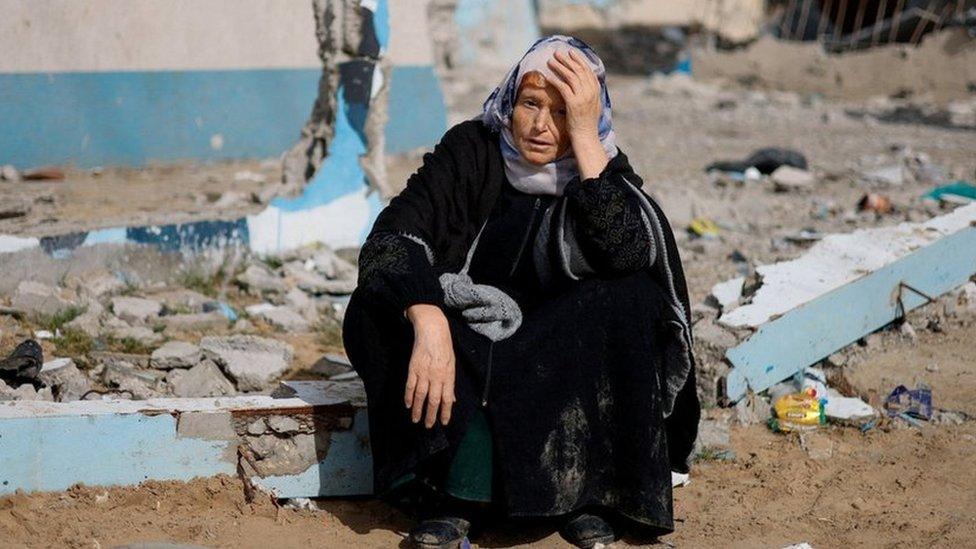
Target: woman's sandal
440,533
585,530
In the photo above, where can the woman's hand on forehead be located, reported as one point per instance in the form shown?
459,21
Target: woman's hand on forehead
580,88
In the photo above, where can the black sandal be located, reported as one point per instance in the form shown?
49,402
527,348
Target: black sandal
585,530
440,533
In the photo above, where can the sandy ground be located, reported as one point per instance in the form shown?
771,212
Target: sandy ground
890,487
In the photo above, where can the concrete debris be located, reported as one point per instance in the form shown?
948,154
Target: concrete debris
790,179
203,380
42,300
206,425
135,309
25,392
259,280
9,173
247,176
714,436
66,381
176,354
257,427
887,175
139,334
308,281
710,333
332,365
232,199
727,294
182,301
132,382
255,363
284,424
194,322
97,284
89,322
283,318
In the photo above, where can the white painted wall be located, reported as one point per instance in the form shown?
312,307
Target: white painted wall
114,35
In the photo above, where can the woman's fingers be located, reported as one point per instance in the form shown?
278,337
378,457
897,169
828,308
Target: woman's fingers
565,72
410,388
582,68
420,395
433,403
447,403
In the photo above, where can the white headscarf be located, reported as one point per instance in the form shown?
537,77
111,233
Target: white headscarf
550,178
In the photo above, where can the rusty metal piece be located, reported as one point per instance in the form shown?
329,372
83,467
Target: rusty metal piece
45,173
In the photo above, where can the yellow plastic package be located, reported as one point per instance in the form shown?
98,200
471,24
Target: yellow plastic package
798,412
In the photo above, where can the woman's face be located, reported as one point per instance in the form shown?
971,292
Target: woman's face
539,120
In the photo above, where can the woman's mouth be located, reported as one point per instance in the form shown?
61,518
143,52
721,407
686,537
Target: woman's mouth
539,143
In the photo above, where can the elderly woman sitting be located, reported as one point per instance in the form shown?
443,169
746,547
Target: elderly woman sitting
521,322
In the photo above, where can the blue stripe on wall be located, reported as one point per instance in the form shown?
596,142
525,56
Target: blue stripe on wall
418,117
130,118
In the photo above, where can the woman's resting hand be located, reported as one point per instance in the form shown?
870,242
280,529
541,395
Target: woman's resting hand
580,89
430,377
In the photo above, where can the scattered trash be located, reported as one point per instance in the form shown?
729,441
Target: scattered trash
797,412
704,228
916,403
957,191
42,335
680,479
752,174
46,173
874,202
765,160
847,409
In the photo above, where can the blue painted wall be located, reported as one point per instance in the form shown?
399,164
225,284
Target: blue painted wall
417,116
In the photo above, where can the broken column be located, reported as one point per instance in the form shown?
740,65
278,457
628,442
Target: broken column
351,36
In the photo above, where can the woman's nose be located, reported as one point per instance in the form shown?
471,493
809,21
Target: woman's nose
541,121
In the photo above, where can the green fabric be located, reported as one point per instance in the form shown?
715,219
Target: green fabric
469,476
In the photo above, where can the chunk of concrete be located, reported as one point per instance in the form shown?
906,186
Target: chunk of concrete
176,354
790,179
332,365
284,318
89,322
713,435
194,321
259,280
25,392
140,384
253,362
135,309
203,380
96,284
309,281
67,382
182,301
38,299
284,424
139,334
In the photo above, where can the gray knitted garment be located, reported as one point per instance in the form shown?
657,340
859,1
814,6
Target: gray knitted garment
488,310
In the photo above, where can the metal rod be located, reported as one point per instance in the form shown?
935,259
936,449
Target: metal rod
923,20
824,19
787,16
801,28
896,20
876,35
839,20
858,20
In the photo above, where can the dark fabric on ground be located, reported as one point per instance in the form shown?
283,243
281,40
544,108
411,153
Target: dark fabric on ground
574,396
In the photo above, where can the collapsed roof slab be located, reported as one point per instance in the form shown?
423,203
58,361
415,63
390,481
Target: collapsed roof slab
843,288
309,439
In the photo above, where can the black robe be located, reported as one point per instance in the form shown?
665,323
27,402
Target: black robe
574,397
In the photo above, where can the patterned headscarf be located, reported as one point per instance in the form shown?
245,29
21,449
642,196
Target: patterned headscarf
550,178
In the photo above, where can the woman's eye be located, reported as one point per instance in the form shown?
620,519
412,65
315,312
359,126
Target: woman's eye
561,112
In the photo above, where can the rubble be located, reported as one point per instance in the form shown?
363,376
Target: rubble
176,354
790,179
254,363
193,322
66,381
202,380
135,309
260,280
284,318
9,173
332,365
42,300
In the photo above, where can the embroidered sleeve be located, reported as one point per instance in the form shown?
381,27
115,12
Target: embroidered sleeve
398,270
609,223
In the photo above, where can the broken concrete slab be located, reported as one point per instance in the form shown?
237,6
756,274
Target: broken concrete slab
67,382
790,179
259,280
38,299
202,380
135,310
332,365
176,354
121,442
193,322
254,363
844,287
283,318
307,280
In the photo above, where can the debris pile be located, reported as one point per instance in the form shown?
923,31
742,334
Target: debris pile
229,332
